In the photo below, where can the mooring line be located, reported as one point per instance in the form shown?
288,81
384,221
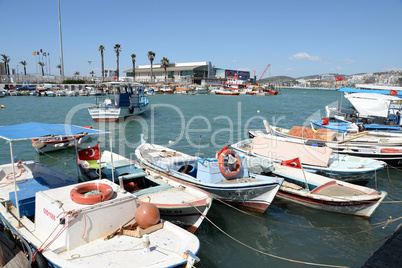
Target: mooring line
389,177
308,227
266,253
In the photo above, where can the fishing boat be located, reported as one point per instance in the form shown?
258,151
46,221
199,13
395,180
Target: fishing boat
226,91
128,99
226,178
320,160
51,143
179,203
66,225
319,192
341,125
377,145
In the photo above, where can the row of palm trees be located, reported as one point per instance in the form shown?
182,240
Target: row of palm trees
6,59
117,49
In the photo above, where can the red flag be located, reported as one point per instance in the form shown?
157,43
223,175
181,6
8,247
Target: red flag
325,121
40,50
337,78
90,153
114,77
393,92
294,163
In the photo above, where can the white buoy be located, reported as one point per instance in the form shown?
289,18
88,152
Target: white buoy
258,111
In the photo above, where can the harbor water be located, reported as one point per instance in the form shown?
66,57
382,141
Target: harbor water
287,234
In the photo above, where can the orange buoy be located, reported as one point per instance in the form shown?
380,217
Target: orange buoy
147,215
225,169
79,194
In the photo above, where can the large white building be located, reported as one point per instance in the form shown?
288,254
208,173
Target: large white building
190,72
175,72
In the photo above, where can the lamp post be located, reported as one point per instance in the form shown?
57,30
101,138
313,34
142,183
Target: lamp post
17,74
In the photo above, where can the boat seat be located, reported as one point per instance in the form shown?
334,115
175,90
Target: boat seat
291,185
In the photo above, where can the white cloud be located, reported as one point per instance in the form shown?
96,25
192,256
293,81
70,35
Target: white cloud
347,61
289,70
304,56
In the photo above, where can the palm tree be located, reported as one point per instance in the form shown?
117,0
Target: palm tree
117,49
6,60
151,57
133,60
101,49
59,67
92,73
24,63
76,73
42,64
106,71
164,64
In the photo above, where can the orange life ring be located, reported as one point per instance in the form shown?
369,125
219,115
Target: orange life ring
77,194
224,169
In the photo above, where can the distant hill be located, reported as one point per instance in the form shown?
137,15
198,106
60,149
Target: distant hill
316,76
276,79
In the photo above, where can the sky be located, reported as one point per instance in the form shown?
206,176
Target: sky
297,37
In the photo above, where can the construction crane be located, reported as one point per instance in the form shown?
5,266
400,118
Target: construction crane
263,74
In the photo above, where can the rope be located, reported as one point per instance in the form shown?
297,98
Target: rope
389,177
42,248
301,226
266,253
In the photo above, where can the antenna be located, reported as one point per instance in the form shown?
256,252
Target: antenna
199,147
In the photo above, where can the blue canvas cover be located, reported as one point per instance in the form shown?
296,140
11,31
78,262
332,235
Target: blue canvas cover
34,130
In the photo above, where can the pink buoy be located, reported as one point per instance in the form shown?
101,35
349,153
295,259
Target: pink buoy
147,215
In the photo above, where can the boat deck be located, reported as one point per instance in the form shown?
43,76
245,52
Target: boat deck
338,190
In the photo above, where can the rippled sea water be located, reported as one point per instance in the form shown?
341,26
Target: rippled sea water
202,124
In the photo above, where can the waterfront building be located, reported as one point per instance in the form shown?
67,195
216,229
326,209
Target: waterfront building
203,73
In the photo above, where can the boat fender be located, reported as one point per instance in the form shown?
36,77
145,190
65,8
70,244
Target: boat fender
225,170
131,109
91,193
40,261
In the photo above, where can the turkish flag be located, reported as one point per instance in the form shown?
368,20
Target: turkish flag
294,163
393,92
90,153
337,78
114,77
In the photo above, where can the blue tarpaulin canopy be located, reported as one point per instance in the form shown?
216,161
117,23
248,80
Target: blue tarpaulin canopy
377,91
32,130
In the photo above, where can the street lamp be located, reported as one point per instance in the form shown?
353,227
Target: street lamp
17,74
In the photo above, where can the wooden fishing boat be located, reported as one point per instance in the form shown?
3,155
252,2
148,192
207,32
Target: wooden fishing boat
93,224
319,192
53,143
377,145
315,159
226,178
178,202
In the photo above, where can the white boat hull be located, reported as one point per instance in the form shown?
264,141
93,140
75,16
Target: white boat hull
114,113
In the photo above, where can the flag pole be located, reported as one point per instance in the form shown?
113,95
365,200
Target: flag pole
304,175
